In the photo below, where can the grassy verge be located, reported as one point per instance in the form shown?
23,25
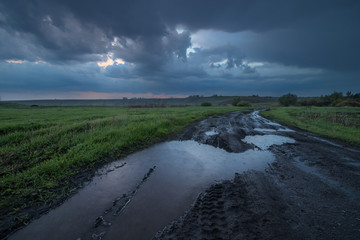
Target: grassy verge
333,122
44,149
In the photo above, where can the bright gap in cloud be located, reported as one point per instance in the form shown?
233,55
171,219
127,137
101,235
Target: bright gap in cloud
110,62
179,30
218,64
119,61
15,61
255,64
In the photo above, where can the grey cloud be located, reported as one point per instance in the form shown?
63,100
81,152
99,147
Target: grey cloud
29,76
83,30
226,59
322,42
309,34
152,53
234,57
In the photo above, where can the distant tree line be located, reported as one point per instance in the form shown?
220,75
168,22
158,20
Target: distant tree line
335,99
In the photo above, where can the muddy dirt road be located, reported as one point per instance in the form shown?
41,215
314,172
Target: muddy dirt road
256,179
310,191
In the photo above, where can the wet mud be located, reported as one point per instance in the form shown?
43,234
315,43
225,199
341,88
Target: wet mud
310,191
233,176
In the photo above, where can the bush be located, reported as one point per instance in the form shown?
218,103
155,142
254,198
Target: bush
243,104
205,104
348,103
304,103
288,99
235,101
311,102
238,102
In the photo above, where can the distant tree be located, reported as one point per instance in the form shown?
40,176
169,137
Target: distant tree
288,99
356,96
333,99
236,100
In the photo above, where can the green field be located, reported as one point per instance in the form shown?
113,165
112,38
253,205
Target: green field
334,122
44,150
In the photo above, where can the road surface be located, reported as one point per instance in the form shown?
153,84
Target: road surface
232,176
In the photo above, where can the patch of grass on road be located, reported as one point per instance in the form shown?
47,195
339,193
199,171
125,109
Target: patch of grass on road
333,122
44,149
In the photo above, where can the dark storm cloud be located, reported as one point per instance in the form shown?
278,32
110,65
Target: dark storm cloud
305,33
330,40
77,30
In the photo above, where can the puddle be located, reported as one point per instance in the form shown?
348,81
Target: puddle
265,130
180,171
265,141
211,133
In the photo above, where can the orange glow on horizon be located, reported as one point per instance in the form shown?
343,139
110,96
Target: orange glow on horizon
102,95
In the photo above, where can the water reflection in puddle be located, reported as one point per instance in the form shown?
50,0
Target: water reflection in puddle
265,130
211,133
183,169
265,141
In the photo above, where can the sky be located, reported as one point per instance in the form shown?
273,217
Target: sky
86,49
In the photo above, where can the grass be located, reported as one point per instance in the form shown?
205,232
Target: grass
43,150
334,122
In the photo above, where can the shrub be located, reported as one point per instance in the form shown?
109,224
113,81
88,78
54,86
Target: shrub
205,104
288,99
348,103
311,102
314,102
243,104
235,101
304,103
